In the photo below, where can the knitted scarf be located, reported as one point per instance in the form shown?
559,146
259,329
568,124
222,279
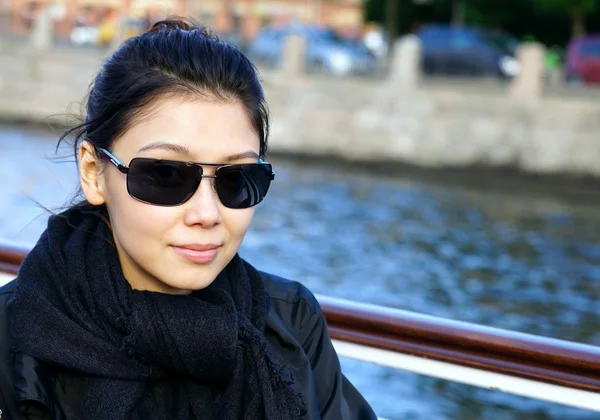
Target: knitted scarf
147,355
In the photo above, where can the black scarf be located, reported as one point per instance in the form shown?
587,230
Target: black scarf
146,355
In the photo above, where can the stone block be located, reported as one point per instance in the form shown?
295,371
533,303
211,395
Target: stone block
529,83
294,52
42,37
405,68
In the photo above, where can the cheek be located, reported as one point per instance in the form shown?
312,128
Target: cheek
134,222
114,189
237,222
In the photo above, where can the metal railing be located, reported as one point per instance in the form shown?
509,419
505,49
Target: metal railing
517,363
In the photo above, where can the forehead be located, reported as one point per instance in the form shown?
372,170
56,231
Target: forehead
210,130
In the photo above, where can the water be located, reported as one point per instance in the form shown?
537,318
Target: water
509,253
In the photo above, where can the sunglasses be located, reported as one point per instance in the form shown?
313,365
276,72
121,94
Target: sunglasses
171,183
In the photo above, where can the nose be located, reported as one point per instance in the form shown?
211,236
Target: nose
203,208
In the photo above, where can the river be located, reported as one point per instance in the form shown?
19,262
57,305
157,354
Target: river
492,249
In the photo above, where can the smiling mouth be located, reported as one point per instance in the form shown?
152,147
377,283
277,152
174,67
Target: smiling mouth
200,255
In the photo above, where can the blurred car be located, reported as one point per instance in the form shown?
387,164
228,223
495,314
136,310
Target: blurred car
325,51
467,51
503,40
84,35
583,59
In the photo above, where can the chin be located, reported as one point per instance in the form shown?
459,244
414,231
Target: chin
199,285
197,282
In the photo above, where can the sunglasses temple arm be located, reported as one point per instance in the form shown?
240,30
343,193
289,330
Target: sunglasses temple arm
272,174
116,162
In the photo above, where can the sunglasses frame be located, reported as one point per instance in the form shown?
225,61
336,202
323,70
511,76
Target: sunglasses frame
125,169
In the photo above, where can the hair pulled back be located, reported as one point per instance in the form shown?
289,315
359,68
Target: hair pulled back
173,58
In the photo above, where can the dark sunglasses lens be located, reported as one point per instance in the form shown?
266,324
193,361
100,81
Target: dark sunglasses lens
162,182
243,186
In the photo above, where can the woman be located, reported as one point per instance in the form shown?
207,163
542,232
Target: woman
134,304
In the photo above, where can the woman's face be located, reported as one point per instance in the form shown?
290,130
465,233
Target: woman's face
163,248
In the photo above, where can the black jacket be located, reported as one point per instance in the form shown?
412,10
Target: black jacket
296,329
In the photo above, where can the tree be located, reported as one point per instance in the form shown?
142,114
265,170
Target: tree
392,8
458,12
577,9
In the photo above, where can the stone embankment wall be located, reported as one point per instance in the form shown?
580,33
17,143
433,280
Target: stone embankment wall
392,119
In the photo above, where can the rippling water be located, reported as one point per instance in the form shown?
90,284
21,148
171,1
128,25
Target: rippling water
503,252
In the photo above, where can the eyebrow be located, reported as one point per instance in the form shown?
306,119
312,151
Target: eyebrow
171,147
182,150
250,154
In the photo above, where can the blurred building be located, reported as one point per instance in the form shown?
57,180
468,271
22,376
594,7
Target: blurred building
246,16
243,17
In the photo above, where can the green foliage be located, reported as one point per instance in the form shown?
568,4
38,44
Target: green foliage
493,12
568,6
577,9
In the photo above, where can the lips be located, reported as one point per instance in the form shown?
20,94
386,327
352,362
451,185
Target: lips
198,247
197,253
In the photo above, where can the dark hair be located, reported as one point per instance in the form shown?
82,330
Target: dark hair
174,57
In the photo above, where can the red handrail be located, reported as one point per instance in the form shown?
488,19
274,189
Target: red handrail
550,360
543,359
11,256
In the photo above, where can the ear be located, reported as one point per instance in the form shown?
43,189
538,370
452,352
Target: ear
92,183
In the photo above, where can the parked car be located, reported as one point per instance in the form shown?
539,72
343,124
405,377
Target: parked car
583,59
84,35
502,40
467,51
325,51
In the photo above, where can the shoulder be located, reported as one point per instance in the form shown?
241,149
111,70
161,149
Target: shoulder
6,295
290,293
6,380
294,304
6,292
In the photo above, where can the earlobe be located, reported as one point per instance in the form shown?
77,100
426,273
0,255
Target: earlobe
89,174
